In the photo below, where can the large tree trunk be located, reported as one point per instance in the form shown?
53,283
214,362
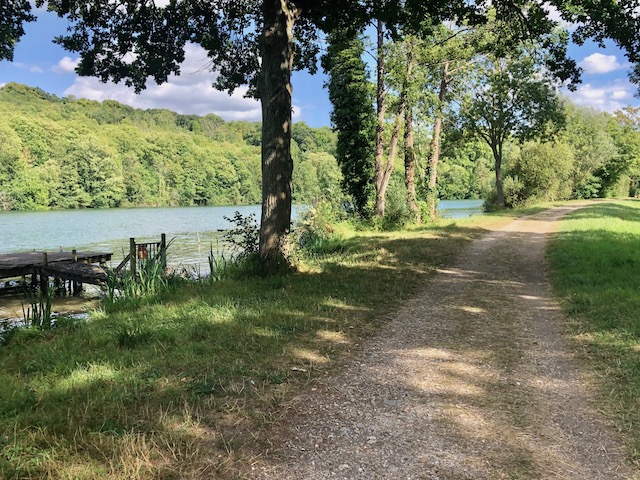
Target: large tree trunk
380,108
277,165
435,142
409,151
497,156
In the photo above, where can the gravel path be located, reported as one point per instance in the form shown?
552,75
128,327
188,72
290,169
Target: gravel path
471,379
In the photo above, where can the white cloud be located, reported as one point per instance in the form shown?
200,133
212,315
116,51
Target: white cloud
2,85
599,63
30,67
621,94
66,65
296,113
189,93
609,97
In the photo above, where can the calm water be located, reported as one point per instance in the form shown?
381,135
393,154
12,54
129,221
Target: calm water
460,208
193,230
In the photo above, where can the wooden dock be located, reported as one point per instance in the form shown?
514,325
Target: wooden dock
77,267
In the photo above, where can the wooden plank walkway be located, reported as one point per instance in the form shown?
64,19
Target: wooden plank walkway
76,272
26,263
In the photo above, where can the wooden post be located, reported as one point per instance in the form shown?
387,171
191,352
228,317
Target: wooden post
133,256
44,278
163,249
74,255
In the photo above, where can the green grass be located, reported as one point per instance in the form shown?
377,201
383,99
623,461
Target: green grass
595,261
182,387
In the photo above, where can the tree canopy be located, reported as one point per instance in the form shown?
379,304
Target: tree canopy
259,43
75,153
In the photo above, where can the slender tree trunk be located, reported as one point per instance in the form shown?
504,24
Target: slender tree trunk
380,107
410,165
409,151
497,156
435,142
387,169
275,95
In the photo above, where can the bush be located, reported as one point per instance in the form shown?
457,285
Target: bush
396,213
245,236
315,231
513,195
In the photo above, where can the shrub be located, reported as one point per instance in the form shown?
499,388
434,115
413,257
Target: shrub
245,236
396,213
315,230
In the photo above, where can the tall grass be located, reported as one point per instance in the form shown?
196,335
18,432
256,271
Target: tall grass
595,268
38,313
221,263
149,282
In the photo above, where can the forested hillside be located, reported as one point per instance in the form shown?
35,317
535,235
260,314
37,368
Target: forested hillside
76,153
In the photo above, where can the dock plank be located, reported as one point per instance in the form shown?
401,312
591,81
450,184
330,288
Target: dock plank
77,272
23,263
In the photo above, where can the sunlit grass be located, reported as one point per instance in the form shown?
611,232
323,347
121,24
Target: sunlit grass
179,386
595,261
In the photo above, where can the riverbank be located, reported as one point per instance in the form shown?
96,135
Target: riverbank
193,386
178,388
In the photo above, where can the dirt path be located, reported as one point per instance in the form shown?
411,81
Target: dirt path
470,380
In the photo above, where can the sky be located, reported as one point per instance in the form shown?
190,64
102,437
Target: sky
40,63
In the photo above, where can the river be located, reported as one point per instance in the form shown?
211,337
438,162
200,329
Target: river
192,231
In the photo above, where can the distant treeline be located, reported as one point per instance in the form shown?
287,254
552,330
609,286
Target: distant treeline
75,153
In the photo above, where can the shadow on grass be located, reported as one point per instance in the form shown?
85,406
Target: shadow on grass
209,358
186,383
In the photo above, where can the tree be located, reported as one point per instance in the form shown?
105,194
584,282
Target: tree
403,77
13,15
451,54
352,116
510,98
624,129
252,42
586,131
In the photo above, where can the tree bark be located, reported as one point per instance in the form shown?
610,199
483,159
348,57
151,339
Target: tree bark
435,142
387,168
380,108
409,151
277,164
497,156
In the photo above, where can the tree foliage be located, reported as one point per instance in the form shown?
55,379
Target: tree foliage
68,153
259,43
353,116
13,15
510,98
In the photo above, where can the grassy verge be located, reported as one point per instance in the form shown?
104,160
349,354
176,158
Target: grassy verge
179,388
595,261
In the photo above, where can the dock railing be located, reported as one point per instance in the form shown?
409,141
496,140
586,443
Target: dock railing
140,253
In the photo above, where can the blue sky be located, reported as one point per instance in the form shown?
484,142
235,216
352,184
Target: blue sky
38,62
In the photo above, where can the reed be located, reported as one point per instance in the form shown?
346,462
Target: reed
38,313
149,282
220,262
